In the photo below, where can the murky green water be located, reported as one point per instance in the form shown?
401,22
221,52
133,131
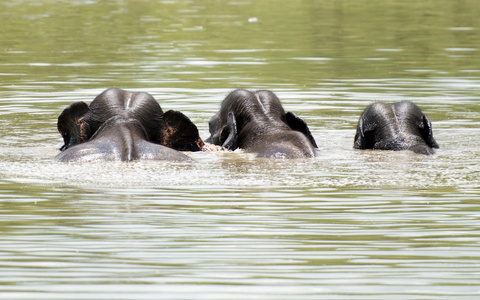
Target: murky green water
346,225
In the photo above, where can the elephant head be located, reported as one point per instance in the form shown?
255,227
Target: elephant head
397,126
257,122
79,121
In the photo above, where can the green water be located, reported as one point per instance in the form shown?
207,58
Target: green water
346,225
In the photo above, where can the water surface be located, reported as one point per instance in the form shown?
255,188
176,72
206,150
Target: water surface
345,225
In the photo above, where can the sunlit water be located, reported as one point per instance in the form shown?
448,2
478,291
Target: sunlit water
346,225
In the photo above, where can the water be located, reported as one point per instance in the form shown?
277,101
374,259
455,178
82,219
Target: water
346,225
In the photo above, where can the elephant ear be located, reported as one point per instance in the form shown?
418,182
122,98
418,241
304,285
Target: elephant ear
298,124
229,133
363,137
427,132
72,124
179,132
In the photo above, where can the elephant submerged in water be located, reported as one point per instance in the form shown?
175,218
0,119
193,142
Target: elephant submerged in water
397,126
257,123
125,126
79,121
119,139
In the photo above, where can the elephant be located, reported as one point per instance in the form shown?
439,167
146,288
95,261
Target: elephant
119,139
257,123
78,122
395,126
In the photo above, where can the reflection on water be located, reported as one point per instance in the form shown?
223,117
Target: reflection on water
346,225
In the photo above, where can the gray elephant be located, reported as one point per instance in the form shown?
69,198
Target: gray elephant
78,122
397,126
257,123
119,139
